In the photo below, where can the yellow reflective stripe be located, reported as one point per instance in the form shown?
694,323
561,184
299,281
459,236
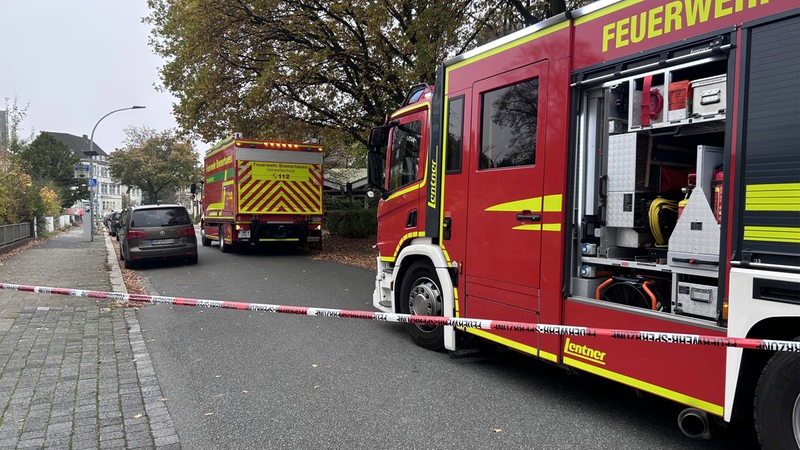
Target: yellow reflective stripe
551,203
279,240
773,197
772,234
539,227
514,344
411,188
510,45
527,204
606,11
410,108
773,187
408,236
645,386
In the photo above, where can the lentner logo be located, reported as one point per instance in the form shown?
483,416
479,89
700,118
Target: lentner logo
584,352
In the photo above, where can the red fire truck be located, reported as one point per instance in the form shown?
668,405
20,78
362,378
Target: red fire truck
629,165
258,192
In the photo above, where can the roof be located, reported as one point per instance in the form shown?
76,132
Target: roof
78,144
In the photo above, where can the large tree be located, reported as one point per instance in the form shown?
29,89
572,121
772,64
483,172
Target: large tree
156,162
50,162
300,69
289,69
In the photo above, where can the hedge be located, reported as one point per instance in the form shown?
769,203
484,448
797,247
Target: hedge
354,223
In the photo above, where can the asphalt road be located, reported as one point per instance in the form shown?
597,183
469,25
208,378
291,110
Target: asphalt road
239,379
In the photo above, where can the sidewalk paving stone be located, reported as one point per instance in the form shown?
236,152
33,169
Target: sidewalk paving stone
74,372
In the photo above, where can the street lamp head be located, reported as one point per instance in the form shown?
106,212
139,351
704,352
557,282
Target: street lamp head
138,107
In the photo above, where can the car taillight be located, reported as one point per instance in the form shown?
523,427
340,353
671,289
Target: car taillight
136,234
186,231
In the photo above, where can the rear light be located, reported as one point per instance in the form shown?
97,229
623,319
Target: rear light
136,234
186,231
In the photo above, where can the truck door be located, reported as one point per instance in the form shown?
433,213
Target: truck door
404,178
505,206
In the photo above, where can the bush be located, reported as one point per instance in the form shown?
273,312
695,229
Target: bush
354,223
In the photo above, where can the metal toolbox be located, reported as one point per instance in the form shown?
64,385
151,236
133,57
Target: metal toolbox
696,300
708,96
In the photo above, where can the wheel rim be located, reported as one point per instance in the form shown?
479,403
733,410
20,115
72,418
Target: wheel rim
796,420
425,299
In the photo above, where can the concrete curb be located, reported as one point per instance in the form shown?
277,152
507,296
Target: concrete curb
115,273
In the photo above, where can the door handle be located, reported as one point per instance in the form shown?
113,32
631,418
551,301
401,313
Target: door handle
531,217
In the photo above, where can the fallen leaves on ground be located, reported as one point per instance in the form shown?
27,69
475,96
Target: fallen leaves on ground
356,252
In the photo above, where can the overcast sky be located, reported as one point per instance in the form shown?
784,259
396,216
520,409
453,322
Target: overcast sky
73,61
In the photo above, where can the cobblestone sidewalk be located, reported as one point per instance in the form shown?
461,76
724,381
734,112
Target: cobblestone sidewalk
74,372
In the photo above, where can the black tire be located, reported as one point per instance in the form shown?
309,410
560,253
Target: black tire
192,260
129,264
223,247
777,402
421,294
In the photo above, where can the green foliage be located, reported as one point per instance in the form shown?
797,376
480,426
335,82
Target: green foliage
156,162
17,193
50,162
304,69
352,223
297,69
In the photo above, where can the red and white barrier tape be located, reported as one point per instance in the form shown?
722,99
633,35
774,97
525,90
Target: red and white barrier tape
460,322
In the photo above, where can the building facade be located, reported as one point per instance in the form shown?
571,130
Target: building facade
109,194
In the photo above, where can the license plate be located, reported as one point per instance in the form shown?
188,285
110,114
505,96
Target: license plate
244,234
163,241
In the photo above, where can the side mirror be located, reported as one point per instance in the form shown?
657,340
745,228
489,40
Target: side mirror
376,162
379,137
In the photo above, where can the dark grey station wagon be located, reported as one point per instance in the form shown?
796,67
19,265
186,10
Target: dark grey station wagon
155,233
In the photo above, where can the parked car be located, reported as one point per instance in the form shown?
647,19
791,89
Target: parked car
156,232
113,223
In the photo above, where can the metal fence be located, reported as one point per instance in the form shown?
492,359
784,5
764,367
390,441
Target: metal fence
15,232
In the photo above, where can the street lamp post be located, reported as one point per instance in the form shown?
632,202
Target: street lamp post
91,153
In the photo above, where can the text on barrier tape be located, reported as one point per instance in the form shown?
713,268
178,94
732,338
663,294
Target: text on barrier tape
459,322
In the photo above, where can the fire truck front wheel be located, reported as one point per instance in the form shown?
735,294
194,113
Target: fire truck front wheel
777,402
421,294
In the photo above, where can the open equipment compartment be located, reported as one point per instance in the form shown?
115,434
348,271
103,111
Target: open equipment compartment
648,186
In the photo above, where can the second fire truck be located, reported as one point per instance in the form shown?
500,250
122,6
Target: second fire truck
262,192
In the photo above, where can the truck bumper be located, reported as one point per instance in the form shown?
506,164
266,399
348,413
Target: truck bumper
382,298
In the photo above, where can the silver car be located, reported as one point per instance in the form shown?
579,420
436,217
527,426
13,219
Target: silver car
155,233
